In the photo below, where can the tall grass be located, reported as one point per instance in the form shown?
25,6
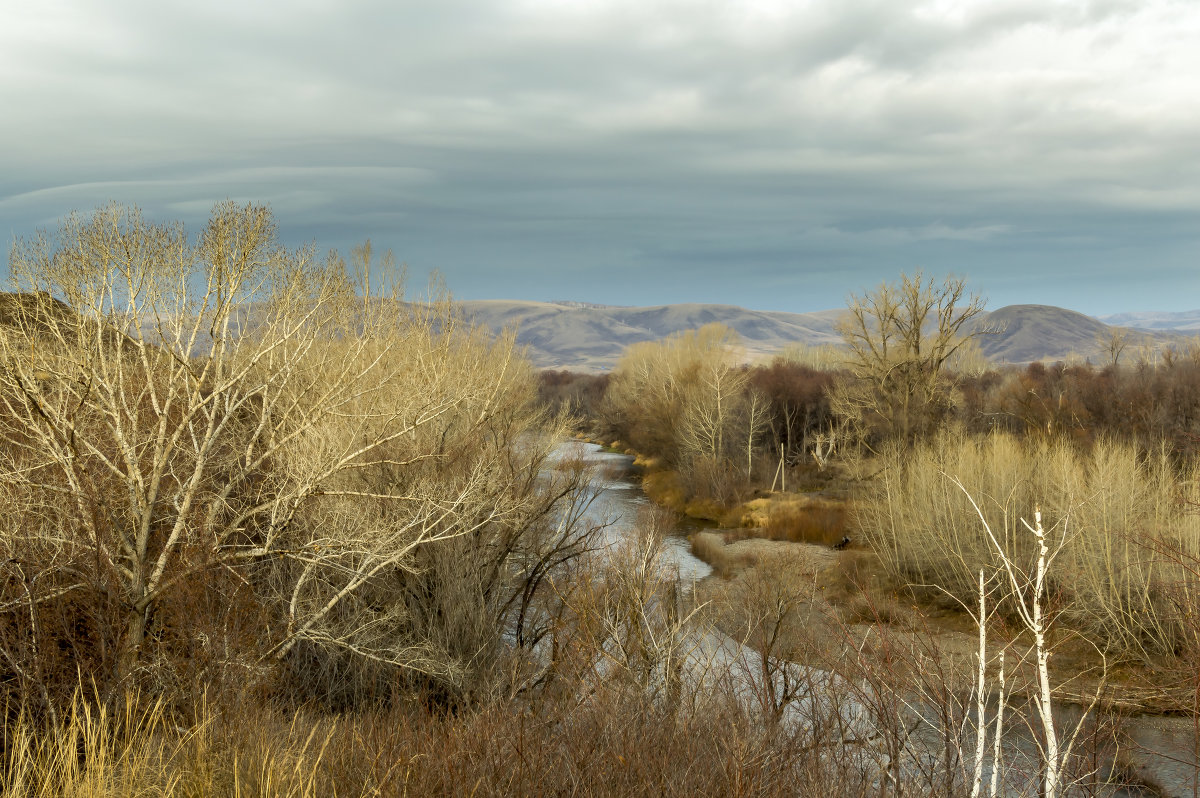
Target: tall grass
93,752
615,742
1116,510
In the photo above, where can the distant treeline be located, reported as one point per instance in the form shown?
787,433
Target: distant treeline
1144,404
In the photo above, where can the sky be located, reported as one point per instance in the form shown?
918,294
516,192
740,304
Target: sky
774,154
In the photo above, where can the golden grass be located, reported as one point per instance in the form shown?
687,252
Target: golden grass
704,509
617,742
821,522
665,488
791,517
91,753
1114,510
139,751
712,548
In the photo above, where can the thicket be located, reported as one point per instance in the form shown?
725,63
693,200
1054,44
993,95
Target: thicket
1106,451
573,393
229,466
1151,404
686,402
723,428
646,699
1116,511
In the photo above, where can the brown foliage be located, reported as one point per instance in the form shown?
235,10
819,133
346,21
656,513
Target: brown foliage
578,394
798,397
227,462
819,522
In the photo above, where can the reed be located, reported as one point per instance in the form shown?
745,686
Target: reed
1118,510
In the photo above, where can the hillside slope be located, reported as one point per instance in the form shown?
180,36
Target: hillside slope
592,338
1023,333
1186,321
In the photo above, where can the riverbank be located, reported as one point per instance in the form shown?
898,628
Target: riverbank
819,524
814,605
829,620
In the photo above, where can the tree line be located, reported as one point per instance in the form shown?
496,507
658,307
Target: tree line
909,367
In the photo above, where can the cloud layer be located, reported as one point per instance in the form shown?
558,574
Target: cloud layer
770,153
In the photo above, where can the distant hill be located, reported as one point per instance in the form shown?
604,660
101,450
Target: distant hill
1188,320
1040,332
1045,332
592,338
585,337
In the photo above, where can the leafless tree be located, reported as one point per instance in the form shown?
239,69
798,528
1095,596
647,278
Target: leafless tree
179,409
686,400
1028,589
1113,341
899,339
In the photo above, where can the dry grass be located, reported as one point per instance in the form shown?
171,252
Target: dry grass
821,522
863,609
725,559
91,753
1114,508
665,488
614,743
791,517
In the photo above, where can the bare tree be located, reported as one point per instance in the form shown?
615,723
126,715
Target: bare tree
1028,591
636,624
900,338
1113,341
758,421
713,397
686,400
177,409
780,628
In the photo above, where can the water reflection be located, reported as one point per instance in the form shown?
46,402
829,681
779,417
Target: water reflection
620,501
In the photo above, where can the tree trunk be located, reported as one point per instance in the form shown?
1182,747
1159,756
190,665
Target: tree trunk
130,649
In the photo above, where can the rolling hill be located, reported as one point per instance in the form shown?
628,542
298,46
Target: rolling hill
587,337
1024,333
1187,321
591,338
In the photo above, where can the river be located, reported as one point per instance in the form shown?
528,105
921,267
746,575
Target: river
1163,750
620,501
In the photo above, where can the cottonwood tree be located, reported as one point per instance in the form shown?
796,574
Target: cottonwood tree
1112,342
177,411
716,406
685,399
900,338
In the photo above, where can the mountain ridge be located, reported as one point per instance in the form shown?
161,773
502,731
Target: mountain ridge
1186,320
587,337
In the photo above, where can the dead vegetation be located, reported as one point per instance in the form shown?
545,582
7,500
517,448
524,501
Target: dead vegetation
273,529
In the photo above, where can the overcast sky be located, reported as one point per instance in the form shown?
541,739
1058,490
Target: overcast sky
775,154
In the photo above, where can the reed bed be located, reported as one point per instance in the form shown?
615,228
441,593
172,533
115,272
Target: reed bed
1127,530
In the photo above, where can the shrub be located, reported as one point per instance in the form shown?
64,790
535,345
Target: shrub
194,426
820,522
1111,504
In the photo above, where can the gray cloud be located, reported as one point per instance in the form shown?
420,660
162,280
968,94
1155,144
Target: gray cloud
770,153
